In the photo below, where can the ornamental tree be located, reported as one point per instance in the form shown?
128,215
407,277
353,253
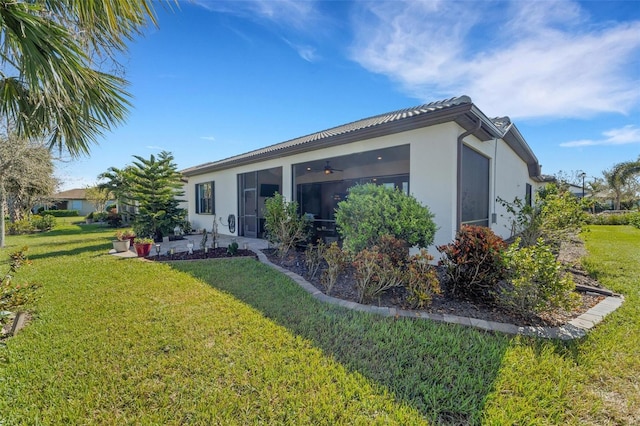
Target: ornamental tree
156,186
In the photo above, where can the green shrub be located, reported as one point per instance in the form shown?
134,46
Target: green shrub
372,211
114,220
634,220
473,262
100,216
22,226
60,213
43,223
422,280
560,214
556,214
536,282
283,225
613,218
232,249
12,295
336,261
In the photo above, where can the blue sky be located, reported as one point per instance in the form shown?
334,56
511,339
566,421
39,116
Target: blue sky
219,78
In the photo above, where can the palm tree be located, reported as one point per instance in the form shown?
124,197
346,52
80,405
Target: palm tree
49,83
619,176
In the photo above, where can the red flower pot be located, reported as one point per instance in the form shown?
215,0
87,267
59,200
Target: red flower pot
143,250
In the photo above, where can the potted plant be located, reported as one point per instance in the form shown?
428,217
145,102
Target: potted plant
143,246
89,218
121,243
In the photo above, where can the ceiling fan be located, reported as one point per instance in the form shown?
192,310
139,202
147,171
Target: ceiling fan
329,170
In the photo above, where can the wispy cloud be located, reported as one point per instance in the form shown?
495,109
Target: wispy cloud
624,136
208,138
286,13
528,59
306,52
299,19
155,148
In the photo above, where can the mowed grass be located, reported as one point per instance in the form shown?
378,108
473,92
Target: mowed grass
119,341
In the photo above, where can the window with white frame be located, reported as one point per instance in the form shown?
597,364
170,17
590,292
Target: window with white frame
205,198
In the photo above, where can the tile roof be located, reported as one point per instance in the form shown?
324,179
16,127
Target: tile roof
343,129
492,127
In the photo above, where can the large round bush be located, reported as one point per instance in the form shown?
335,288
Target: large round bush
372,211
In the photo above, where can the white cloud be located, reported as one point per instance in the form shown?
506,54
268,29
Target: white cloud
527,59
306,52
286,13
208,138
155,148
626,135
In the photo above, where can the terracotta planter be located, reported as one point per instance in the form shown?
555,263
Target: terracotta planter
121,246
143,250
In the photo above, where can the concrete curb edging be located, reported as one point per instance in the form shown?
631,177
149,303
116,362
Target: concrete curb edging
574,329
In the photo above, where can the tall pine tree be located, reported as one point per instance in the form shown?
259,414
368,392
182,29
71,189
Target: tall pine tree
156,186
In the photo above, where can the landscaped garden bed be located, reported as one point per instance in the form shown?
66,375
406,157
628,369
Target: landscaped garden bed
444,303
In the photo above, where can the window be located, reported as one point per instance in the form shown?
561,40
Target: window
528,195
475,188
205,193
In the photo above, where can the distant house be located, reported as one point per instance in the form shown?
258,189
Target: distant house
73,199
448,154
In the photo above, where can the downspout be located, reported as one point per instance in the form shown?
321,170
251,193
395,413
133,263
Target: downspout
459,173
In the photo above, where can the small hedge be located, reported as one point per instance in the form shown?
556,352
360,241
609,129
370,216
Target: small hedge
59,213
627,218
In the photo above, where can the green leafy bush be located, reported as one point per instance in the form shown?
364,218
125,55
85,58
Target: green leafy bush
283,225
560,214
336,261
535,282
473,262
43,223
114,220
60,213
12,295
232,249
100,216
372,211
556,214
422,280
22,226
634,220
627,218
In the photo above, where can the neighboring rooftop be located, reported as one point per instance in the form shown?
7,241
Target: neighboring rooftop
71,194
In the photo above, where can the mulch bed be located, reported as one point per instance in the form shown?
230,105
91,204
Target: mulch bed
443,303
217,253
397,297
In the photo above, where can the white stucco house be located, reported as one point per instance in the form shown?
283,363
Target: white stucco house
448,154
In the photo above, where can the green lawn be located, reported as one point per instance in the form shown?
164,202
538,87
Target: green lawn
119,341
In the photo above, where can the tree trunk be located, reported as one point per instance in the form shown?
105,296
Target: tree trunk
3,198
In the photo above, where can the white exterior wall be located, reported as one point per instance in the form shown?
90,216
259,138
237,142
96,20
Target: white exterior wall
433,160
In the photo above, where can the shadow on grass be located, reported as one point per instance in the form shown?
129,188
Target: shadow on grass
101,248
445,371
68,230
